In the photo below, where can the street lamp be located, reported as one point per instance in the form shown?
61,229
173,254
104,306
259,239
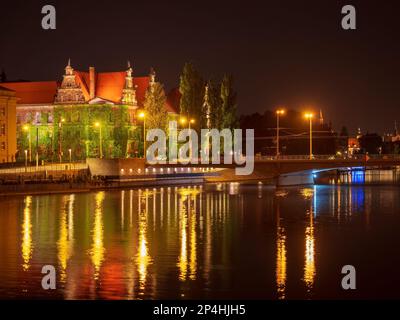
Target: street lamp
183,121
70,158
309,116
142,116
62,120
98,125
37,147
26,160
27,129
191,121
279,112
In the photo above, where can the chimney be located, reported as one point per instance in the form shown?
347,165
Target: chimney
92,84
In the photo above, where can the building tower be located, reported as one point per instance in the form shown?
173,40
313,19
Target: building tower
321,118
129,91
152,77
207,107
359,133
70,91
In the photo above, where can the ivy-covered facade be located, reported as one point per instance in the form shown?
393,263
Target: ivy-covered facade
88,114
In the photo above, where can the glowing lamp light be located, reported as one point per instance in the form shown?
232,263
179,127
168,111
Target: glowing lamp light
308,115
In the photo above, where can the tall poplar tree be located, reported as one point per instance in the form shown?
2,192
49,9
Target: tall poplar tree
215,102
228,103
191,87
155,109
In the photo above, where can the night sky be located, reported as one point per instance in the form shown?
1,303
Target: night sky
291,53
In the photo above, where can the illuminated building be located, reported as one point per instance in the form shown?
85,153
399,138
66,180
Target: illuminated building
8,138
61,115
353,145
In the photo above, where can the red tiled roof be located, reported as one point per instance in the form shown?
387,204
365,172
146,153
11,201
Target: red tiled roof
33,92
173,100
6,89
82,78
109,86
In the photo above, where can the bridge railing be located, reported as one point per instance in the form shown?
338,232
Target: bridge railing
360,157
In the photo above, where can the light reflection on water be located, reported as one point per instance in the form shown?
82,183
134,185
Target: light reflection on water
211,241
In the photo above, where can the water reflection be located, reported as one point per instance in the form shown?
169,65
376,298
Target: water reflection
216,241
65,243
27,245
309,255
280,256
97,250
187,214
143,258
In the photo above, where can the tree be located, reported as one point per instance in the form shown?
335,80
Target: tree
191,87
154,106
371,143
228,103
213,105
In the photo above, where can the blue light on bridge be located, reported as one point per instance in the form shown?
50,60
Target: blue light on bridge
358,176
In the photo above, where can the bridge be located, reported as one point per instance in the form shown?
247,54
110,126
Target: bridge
287,170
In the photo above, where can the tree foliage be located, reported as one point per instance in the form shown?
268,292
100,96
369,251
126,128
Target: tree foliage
154,105
221,99
191,87
228,103
215,104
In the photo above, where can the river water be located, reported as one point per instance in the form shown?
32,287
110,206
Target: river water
212,241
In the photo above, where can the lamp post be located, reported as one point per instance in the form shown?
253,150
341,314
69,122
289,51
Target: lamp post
26,160
37,147
27,129
191,121
98,125
70,158
142,116
278,113
62,120
309,116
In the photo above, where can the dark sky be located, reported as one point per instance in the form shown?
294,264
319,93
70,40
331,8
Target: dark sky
291,53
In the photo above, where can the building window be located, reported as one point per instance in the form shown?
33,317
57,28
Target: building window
3,129
2,111
3,146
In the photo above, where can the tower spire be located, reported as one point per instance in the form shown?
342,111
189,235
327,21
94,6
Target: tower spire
129,91
152,76
321,118
207,107
69,91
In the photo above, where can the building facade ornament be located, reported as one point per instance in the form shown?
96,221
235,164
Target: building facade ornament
70,91
129,91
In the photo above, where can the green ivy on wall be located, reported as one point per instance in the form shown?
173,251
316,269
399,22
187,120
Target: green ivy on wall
73,127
